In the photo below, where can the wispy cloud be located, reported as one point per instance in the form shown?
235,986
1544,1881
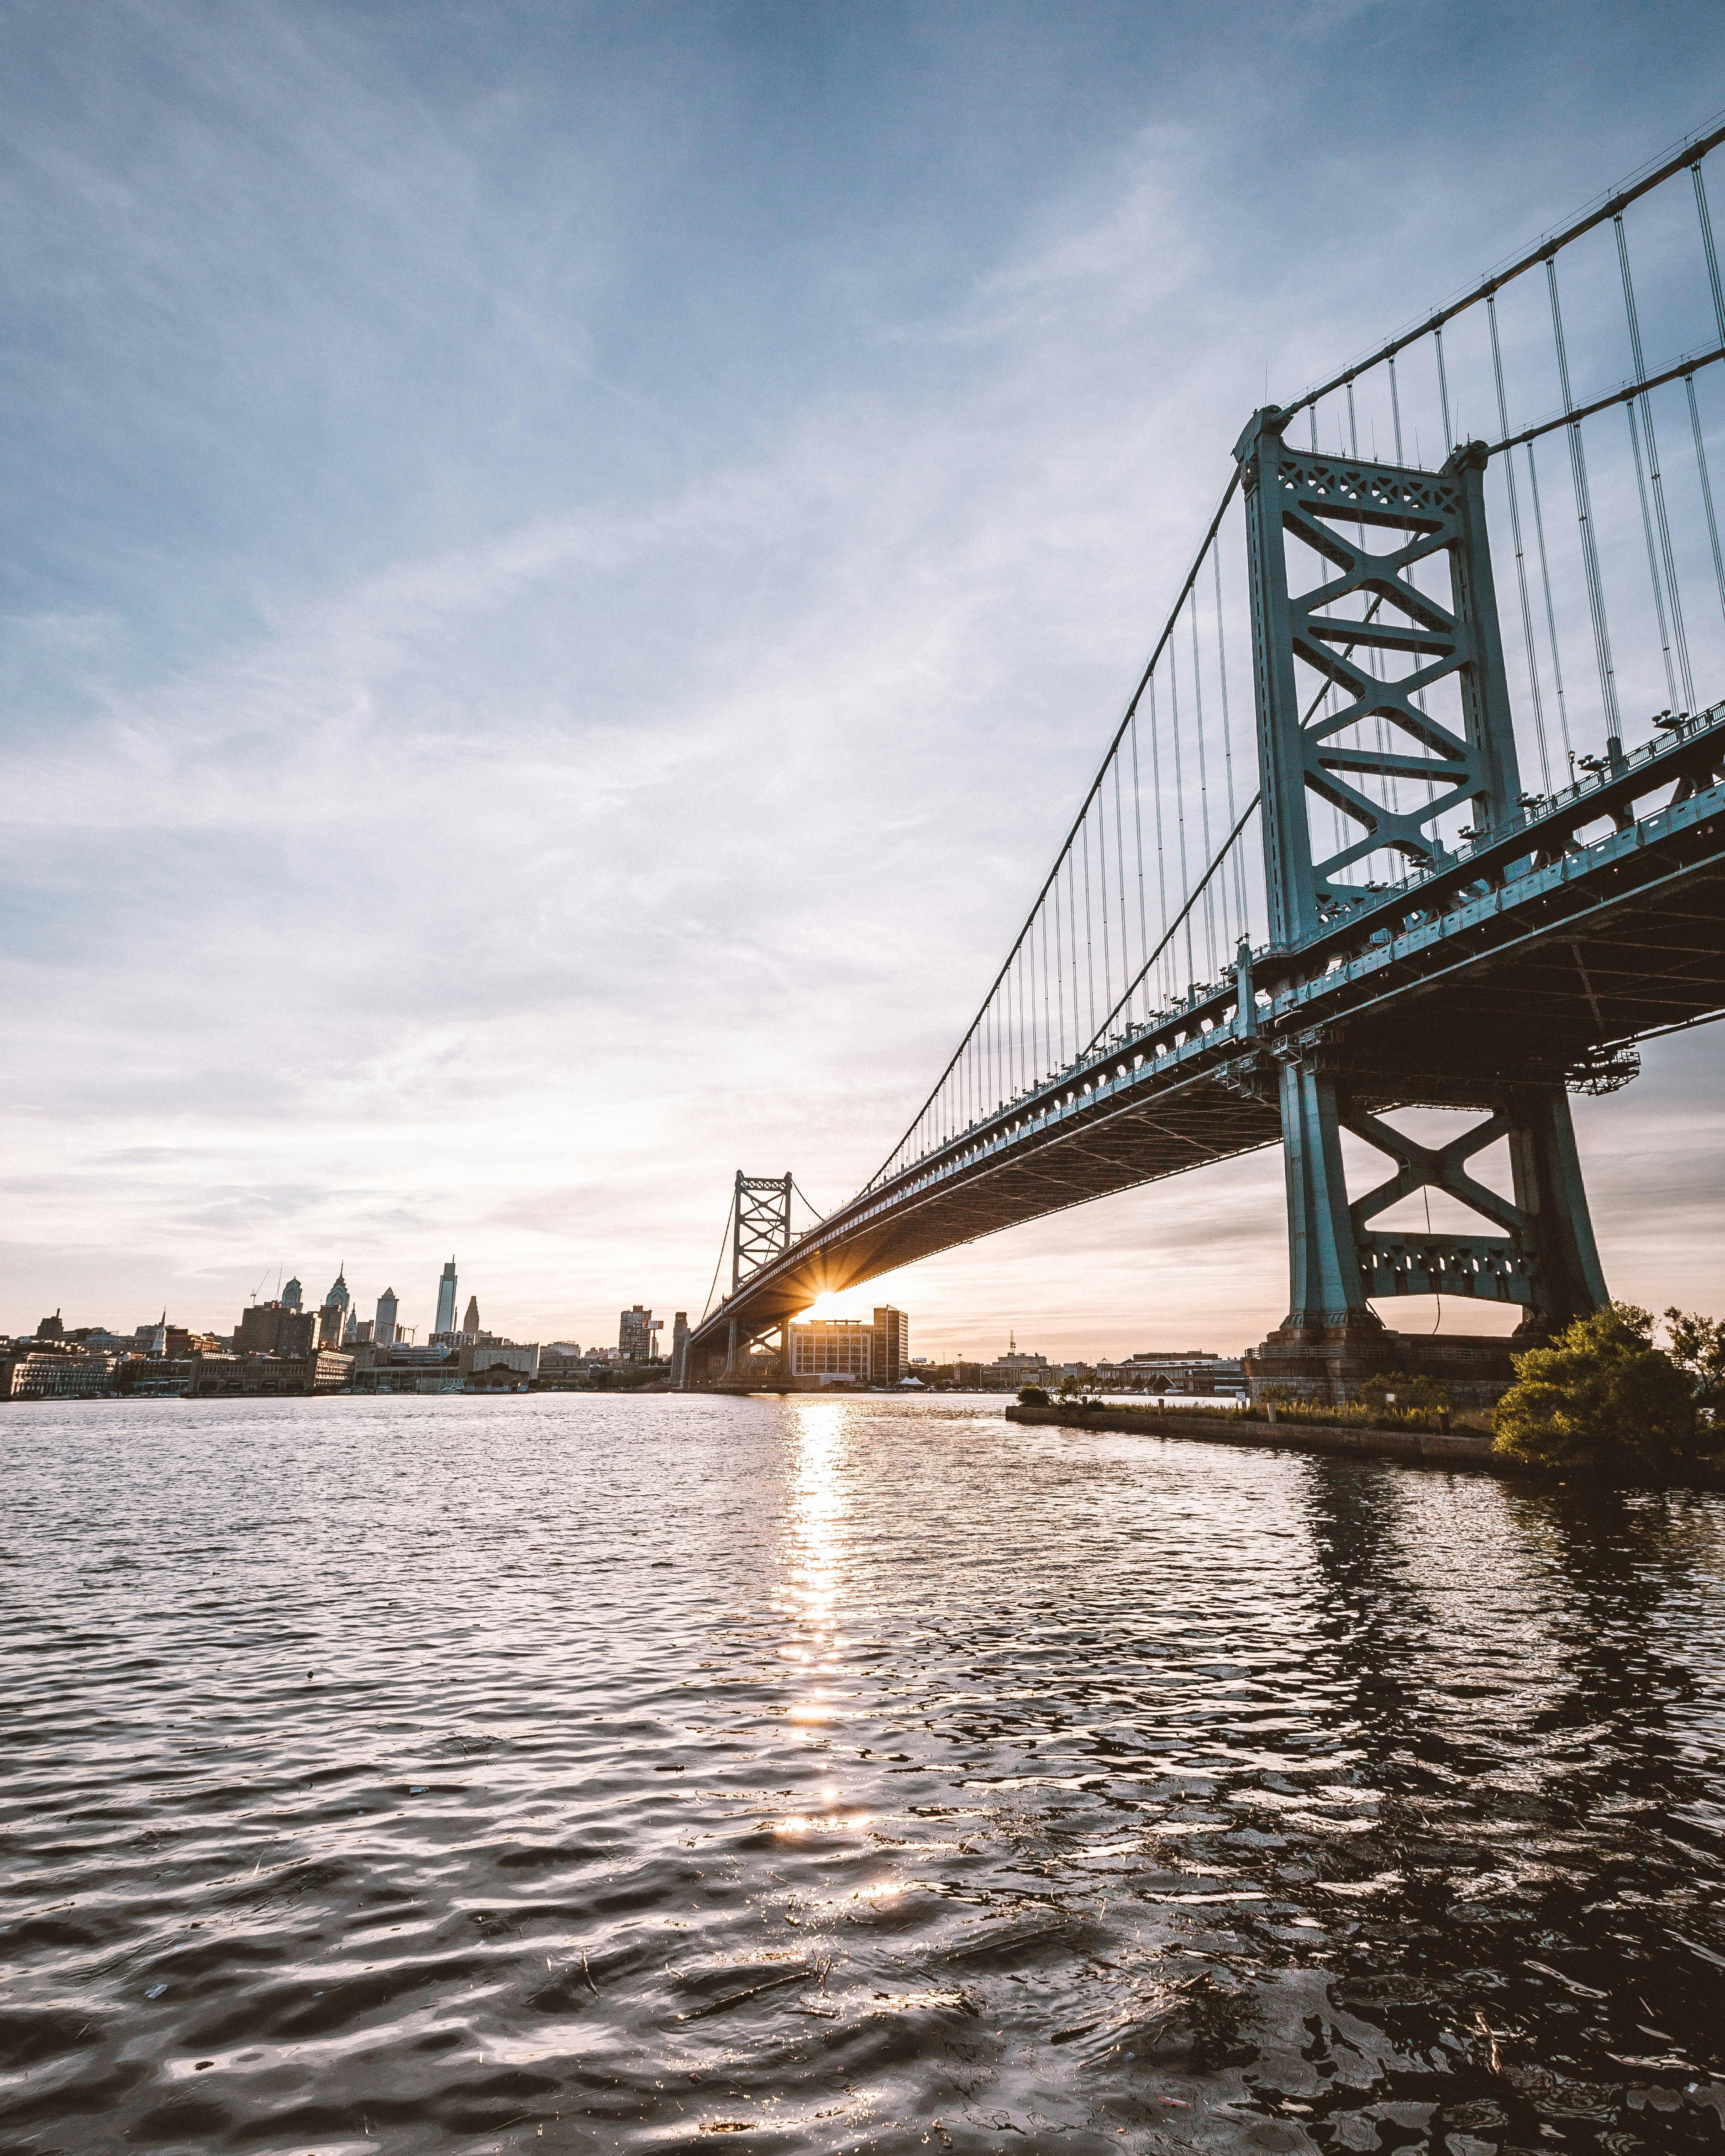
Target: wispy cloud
556,713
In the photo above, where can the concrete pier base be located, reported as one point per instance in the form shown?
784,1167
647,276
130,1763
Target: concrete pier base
1330,1363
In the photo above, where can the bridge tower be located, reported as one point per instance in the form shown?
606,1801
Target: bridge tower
760,1230
1364,611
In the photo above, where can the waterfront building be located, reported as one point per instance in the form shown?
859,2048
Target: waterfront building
852,1351
1017,1367
498,1365
54,1372
403,1368
315,1371
446,1300
272,1328
384,1333
1195,1370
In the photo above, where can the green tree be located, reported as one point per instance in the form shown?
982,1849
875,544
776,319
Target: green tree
1033,1396
1601,1399
1698,1349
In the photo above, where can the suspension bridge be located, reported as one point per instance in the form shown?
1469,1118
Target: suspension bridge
1418,803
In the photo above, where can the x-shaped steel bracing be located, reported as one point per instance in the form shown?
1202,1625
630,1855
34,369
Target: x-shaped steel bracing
1496,1268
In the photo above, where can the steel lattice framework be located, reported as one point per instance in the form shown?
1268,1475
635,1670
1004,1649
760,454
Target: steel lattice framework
1410,925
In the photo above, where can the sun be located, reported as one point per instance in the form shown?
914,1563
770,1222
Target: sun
827,1304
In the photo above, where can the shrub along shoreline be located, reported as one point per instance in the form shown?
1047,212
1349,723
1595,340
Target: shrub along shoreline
1602,1402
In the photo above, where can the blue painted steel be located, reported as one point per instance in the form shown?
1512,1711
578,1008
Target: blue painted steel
1546,1258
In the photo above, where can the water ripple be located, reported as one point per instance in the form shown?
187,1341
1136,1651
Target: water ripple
594,1773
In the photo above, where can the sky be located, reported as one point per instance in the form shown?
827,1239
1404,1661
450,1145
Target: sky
568,567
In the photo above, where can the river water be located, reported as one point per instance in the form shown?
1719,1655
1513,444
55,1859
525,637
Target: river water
584,1772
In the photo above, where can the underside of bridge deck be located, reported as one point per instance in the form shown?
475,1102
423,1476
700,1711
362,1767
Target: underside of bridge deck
1533,992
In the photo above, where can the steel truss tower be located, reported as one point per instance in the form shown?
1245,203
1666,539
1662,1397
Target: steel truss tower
761,1231
1366,611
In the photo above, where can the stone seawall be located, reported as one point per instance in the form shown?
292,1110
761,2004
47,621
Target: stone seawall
1465,1449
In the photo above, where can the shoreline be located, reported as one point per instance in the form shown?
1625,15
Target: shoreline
1465,1450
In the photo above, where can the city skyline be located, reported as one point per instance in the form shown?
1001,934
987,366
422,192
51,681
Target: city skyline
695,640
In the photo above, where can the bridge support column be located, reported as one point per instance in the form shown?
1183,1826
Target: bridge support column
1325,1288
1568,1279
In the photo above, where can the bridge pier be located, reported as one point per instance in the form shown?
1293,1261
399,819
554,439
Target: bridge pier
1349,630
1332,1340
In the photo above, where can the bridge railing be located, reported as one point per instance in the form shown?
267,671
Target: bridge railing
1590,366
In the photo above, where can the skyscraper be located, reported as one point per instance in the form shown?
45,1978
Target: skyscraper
291,1295
385,1334
446,1299
470,1324
634,1334
335,1317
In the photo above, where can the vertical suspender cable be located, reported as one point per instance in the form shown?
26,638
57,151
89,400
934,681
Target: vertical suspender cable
1660,517
1550,613
1665,633
1072,921
1515,526
1138,829
1707,488
1090,959
1238,862
1099,804
1049,1061
1126,964
1174,691
1060,972
1585,519
1437,338
1161,849
1203,802
1700,454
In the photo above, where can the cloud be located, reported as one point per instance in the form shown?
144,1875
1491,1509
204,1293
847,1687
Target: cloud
551,663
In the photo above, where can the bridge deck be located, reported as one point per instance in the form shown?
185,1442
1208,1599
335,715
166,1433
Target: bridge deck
1521,962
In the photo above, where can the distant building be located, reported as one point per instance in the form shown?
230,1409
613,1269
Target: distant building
1017,1367
446,1300
635,1329
498,1366
55,1372
852,1351
293,1296
405,1370
316,1371
470,1323
1198,1370
270,1328
337,1312
384,1334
